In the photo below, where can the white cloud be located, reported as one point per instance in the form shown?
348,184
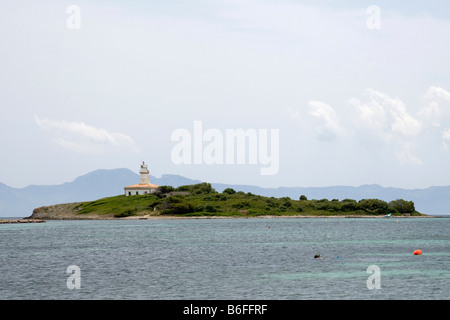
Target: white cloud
383,123
370,115
437,107
405,153
446,139
328,127
387,115
435,114
387,118
437,92
83,138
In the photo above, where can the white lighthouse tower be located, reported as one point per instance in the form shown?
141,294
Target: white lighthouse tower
144,174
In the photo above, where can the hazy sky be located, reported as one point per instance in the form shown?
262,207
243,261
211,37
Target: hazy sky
359,91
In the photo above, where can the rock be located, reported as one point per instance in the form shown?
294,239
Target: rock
57,211
24,220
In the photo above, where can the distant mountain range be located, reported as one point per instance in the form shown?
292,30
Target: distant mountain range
20,202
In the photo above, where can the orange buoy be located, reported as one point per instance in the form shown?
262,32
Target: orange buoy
417,252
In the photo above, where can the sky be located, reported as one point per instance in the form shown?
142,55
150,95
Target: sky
329,92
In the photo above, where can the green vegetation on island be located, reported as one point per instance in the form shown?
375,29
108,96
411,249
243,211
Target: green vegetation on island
202,200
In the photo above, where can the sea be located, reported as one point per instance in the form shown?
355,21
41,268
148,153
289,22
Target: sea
227,259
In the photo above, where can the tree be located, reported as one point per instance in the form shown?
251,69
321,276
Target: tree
165,189
210,208
182,208
229,191
287,204
303,197
349,205
374,206
402,206
202,188
199,188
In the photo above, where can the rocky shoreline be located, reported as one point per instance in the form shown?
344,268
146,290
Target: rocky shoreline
25,220
69,211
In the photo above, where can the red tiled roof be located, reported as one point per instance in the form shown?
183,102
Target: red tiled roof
142,186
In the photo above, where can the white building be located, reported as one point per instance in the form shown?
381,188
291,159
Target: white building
144,187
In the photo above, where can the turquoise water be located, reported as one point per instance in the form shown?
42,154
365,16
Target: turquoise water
227,259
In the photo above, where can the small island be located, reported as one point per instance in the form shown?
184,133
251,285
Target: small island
149,201
201,200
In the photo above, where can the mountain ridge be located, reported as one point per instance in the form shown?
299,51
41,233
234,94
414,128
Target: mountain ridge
20,202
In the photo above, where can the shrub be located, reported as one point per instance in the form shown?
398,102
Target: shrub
210,208
229,191
349,205
374,206
287,204
125,213
303,197
176,204
241,205
402,206
202,188
165,189
327,205
197,188
181,208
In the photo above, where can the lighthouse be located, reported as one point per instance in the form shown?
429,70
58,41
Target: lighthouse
144,187
144,174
